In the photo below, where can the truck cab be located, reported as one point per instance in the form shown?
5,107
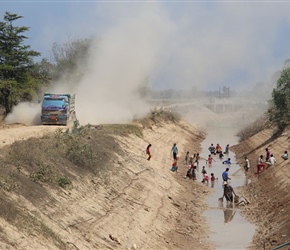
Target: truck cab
57,109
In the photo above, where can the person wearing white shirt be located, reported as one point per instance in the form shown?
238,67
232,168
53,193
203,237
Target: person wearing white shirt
271,161
247,164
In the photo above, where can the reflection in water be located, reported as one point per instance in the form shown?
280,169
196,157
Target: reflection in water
229,212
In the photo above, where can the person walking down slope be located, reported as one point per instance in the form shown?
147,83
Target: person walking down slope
225,175
148,152
174,151
246,164
260,164
228,192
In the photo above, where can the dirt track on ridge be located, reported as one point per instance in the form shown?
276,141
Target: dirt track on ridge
16,132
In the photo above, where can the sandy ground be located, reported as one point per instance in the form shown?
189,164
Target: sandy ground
145,207
15,132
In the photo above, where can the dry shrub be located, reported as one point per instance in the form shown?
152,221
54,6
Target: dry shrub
8,183
260,124
157,117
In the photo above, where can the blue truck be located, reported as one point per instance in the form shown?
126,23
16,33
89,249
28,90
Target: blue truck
57,109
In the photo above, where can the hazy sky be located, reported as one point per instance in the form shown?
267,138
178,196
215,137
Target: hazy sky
178,44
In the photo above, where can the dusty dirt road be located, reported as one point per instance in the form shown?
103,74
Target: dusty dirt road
16,132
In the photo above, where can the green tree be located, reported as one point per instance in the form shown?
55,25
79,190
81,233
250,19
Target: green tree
16,63
42,72
280,104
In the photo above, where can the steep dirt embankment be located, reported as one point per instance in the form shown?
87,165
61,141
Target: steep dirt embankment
269,192
142,205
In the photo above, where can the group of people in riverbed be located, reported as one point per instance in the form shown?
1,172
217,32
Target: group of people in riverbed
217,150
192,161
228,189
193,166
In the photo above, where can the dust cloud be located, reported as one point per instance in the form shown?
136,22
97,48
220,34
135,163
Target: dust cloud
155,41
25,113
119,64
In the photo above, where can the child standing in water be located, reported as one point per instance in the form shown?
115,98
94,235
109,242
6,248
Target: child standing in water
209,159
212,179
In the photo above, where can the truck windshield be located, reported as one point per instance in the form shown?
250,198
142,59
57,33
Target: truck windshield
53,103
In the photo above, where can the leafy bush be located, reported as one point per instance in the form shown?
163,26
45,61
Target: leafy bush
279,110
7,183
64,181
261,123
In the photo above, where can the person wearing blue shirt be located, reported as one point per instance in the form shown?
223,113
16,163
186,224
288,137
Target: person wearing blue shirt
285,155
174,151
225,175
228,161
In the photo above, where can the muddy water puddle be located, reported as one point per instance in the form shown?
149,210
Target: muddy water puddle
228,229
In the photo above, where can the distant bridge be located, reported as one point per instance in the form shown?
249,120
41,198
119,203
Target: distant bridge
216,105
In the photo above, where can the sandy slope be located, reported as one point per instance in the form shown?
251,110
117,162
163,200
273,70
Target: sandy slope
145,207
268,192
